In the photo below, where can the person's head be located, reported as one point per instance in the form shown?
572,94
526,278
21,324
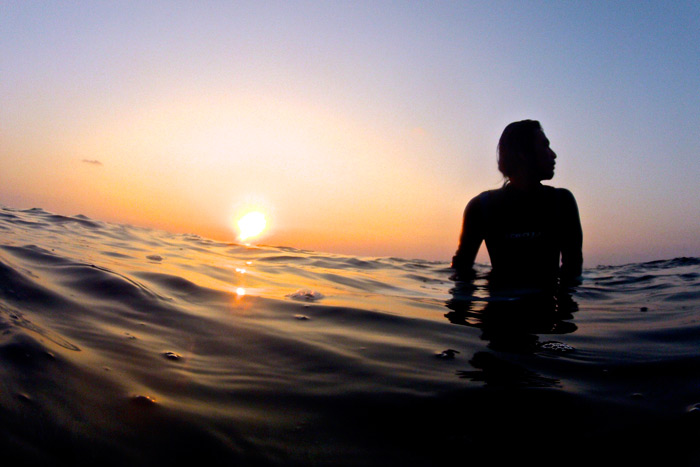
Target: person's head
523,151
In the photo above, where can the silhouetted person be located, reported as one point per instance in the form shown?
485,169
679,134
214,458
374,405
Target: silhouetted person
532,231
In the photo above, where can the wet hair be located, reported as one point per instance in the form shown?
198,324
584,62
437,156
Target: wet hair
517,139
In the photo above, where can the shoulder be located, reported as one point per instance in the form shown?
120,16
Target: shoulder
485,194
566,203
488,195
478,206
564,196
481,200
560,194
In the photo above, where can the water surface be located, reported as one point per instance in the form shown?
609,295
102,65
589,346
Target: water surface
129,346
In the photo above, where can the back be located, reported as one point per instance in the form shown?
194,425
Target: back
526,234
521,233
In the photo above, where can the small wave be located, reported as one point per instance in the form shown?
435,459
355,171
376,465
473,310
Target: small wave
283,259
685,296
115,254
17,319
184,288
16,286
557,347
425,278
362,264
358,283
36,254
104,284
305,295
83,221
671,263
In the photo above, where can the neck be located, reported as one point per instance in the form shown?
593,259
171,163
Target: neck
524,184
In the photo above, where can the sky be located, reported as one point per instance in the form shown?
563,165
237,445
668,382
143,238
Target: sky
357,127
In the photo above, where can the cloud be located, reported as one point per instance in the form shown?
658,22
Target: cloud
92,162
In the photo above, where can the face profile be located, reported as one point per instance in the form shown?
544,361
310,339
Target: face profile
544,158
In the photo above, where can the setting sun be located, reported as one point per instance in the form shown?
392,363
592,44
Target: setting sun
251,225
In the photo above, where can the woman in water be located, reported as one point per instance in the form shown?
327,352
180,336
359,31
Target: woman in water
532,231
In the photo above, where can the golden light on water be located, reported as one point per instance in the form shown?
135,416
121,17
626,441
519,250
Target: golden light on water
251,225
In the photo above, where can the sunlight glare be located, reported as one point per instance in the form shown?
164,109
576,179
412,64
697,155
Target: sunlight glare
251,225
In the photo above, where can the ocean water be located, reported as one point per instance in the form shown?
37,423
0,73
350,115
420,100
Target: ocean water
121,345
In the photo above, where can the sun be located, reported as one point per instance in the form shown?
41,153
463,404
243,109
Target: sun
251,225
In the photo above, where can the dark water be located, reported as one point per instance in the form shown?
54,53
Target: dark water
127,346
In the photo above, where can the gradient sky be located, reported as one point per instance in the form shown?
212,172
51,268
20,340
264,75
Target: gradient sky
358,127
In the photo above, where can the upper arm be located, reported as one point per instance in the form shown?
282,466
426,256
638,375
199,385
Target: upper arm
572,235
471,237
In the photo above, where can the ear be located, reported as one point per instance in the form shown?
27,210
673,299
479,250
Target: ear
522,157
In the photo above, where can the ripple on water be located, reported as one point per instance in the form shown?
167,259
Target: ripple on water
305,295
448,354
172,356
554,346
141,400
